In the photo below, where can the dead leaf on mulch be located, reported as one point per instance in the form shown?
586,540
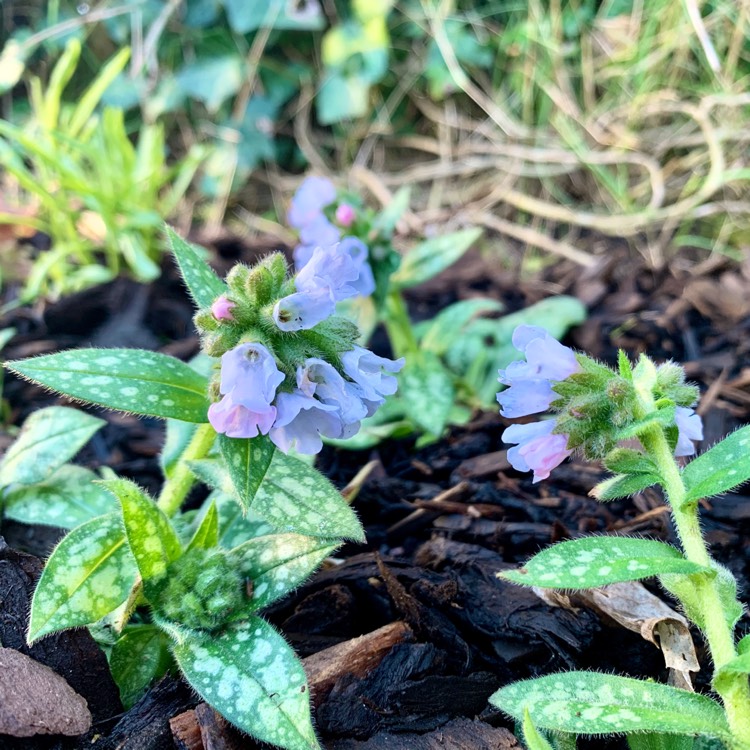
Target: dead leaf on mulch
35,700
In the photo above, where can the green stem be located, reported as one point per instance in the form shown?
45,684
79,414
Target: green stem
398,324
735,691
176,488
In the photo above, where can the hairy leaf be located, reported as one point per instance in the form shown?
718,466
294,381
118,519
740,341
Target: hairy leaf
427,393
593,703
599,560
623,485
48,438
202,283
251,676
248,461
131,380
532,736
206,536
88,575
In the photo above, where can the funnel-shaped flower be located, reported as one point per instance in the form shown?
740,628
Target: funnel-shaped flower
312,196
538,449
249,379
302,421
368,371
690,428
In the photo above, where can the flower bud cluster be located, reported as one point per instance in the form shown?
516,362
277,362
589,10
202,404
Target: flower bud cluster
594,406
290,368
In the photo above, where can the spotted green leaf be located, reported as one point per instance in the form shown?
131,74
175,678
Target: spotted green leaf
278,563
247,462
48,438
720,469
206,536
251,676
598,560
432,256
67,499
131,380
426,390
202,283
139,657
659,741
448,325
593,703
151,537
296,498
235,526
534,739
88,575
740,665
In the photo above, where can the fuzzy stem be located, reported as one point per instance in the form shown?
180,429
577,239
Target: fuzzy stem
735,691
176,488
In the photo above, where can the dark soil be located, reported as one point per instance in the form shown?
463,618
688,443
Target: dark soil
440,520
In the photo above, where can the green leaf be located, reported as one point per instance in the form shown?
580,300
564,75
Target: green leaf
426,389
248,461
48,438
278,563
596,561
432,256
130,380
658,741
531,735
720,469
593,703
623,485
236,527
627,461
212,80
67,499
207,534
251,676
89,574
178,436
342,97
139,657
448,325
385,222
296,498
276,14
202,283
152,539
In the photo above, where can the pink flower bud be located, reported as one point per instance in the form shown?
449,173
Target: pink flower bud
222,308
345,215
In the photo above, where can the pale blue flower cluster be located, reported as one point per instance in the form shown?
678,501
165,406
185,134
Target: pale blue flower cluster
324,403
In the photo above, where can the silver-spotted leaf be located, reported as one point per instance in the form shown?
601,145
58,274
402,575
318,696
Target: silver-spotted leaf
131,380
599,560
432,256
202,283
70,497
248,462
139,657
251,676
448,325
151,537
720,469
278,563
593,703
426,391
294,497
48,438
236,526
88,575
532,736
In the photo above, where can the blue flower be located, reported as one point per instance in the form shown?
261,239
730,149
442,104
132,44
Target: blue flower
312,196
538,449
690,428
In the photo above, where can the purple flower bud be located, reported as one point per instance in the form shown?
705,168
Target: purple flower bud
311,197
538,449
345,215
222,308
301,421
249,379
366,370
547,361
690,427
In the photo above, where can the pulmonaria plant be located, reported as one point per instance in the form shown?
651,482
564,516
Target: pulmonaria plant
638,420
278,372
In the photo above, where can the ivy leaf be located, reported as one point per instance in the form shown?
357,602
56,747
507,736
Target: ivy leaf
720,469
248,461
48,438
593,703
432,256
202,283
67,499
131,380
278,563
251,676
426,390
596,561
151,537
206,536
296,498
88,575
139,657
